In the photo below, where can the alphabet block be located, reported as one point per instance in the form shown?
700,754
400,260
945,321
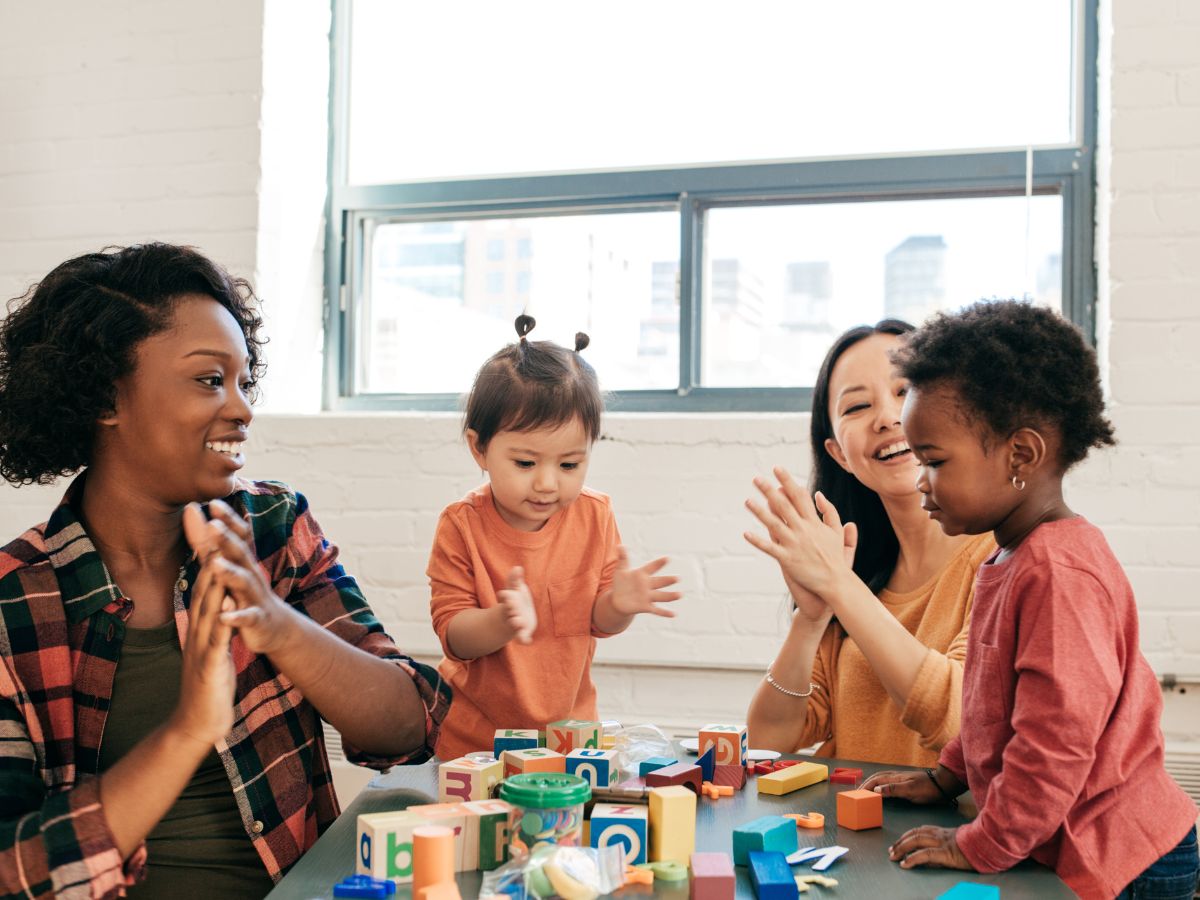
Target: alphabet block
572,734
385,844
459,819
792,778
673,823
514,739
685,774
767,833
730,741
536,759
712,877
628,825
771,876
598,767
467,779
490,824
859,810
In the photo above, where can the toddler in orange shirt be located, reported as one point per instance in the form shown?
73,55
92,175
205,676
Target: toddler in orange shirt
528,570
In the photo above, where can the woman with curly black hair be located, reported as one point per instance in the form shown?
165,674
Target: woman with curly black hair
165,670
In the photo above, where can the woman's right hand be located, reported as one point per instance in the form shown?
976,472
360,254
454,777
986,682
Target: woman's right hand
205,710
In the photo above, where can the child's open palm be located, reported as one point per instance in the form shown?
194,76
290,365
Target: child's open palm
641,590
518,606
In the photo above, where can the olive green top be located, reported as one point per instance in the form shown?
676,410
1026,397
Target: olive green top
200,848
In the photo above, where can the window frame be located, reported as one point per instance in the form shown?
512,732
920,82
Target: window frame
1066,170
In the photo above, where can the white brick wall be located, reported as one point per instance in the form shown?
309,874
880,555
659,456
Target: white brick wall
126,120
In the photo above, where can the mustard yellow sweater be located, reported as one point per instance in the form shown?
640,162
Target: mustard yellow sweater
851,711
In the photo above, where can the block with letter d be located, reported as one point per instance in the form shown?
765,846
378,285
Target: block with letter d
573,734
598,767
468,779
536,759
385,844
514,739
730,742
627,825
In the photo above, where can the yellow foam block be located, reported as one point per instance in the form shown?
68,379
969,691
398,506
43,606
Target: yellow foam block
672,823
792,778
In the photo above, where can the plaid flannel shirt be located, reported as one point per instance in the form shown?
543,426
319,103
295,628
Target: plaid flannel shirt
62,622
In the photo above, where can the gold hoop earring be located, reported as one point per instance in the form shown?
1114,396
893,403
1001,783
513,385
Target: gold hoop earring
1018,483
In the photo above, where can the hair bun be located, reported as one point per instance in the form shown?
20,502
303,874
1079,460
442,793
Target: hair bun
581,341
524,325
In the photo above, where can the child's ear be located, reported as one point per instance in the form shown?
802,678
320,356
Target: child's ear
1028,451
834,449
477,452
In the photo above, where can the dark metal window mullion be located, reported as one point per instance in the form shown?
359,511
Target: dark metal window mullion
691,293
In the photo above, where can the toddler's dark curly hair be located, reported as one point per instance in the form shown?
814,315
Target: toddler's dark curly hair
1014,364
69,338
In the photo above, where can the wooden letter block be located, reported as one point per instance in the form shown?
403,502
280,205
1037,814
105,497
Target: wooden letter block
654,762
734,776
598,767
792,778
573,734
772,876
458,819
537,759
514,739
385,844
768,833
685,774
673,823
859,810
730,743
629,826
713,877
467,779
489,823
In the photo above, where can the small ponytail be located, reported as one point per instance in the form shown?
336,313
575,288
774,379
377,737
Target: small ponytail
524,324
581,341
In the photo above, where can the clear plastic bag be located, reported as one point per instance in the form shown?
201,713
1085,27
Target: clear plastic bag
640,742
573,873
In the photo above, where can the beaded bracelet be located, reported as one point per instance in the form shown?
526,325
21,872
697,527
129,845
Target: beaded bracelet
953,801
779,687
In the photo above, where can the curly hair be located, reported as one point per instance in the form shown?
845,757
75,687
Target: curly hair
534,384
68,339
1014,364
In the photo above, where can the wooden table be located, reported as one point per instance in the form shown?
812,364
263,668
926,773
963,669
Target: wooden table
863,872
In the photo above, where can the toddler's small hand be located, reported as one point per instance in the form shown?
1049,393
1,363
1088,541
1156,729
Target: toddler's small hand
640,590
518,606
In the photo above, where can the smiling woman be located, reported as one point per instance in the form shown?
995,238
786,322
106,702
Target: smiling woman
872,664
150,678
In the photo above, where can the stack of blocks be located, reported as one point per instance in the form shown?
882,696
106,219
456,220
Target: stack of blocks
514,739
468,779
730,746
572,734
598,768
627,825
385,846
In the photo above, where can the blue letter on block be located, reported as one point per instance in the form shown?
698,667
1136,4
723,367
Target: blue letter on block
772,876
768,833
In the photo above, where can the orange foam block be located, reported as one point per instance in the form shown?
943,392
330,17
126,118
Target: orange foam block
443,890
807,820
715,791
634,875
859,810
433,857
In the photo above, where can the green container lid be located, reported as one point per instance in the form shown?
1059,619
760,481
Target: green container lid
545,790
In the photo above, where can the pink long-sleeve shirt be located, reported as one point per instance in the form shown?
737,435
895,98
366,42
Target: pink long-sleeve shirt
1061,742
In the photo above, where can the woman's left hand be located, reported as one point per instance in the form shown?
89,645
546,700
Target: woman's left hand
929,845
223,543
809,541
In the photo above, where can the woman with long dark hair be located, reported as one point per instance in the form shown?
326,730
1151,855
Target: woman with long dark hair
875,673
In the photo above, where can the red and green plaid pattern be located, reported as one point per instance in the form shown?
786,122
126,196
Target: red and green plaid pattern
61,628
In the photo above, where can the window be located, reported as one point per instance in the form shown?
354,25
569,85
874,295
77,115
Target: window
712,214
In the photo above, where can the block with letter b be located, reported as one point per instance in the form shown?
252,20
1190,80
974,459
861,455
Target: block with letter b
597,767
385,844
730,742
468,779
627,825
514,739
573,734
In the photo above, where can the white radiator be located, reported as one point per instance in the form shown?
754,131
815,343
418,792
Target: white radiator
1183,763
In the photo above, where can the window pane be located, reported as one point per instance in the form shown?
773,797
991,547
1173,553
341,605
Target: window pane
441,297
458,89
783,281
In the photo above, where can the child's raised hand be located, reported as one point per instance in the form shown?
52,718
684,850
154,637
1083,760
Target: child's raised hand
809,541
517,603
929,845
641,590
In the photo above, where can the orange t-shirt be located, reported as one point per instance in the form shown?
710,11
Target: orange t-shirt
568,564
